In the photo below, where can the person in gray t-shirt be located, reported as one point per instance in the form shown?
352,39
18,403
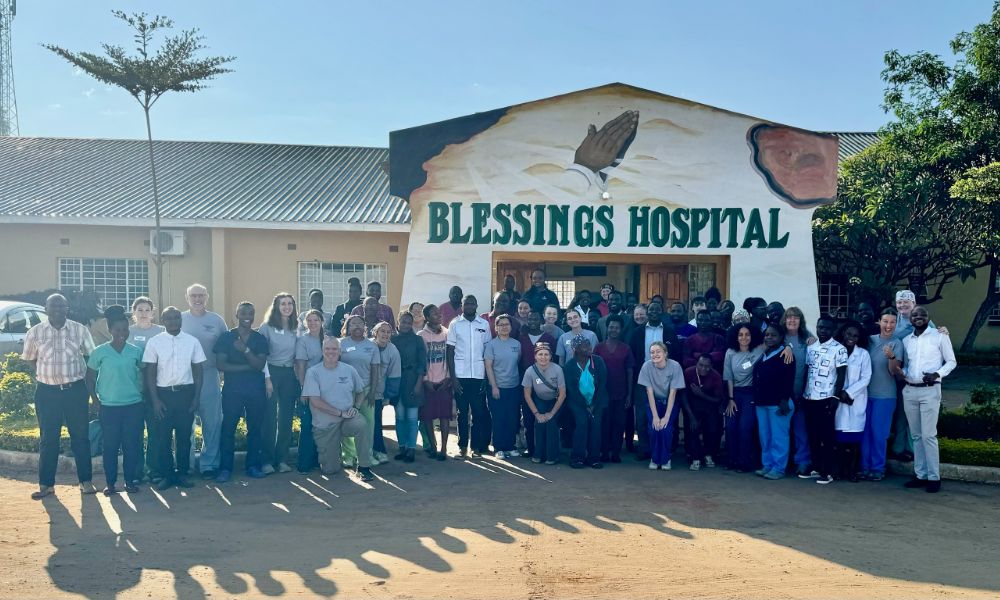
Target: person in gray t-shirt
206,326
501,357
334,390
887,354
544,392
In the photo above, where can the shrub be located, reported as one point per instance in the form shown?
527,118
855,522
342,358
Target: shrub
960,425
17,391
13,363
970,452
984,404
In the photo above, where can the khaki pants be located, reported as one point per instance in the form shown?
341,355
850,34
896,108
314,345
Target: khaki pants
922,405
328,441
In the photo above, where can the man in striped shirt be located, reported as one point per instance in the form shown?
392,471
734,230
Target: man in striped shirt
57,350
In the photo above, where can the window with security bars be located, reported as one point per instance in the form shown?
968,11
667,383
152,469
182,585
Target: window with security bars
114,280
701,277
332,279
834,296
564,289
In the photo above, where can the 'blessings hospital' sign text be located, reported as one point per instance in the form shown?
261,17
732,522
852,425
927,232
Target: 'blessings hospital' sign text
594,226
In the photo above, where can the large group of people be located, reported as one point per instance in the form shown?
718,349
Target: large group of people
750,389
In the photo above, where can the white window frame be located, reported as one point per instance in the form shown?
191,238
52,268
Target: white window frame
564,289
128,280
331,277
834,293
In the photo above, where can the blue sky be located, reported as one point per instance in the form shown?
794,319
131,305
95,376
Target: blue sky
347,73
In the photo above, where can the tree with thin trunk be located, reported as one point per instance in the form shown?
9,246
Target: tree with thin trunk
146,76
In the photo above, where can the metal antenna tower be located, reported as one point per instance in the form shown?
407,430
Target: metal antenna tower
8,103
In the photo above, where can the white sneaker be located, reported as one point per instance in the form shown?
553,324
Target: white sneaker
695,465
267,469
500,454
653,466
381,457
88,488
666,467
284,468
709,463
513,454
825,480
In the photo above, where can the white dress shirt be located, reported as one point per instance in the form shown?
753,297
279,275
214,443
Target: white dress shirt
654,333
173,355
929,352
469,339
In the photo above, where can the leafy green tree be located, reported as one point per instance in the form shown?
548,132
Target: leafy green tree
921,203
147,75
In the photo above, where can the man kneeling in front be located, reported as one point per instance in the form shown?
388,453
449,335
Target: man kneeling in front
334,390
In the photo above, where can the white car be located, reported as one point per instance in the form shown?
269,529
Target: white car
15,320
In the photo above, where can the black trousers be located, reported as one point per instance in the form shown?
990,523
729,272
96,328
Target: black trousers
613,427
528,418
586,434
472,403
121,428
820,429
55,405
177,421
703,441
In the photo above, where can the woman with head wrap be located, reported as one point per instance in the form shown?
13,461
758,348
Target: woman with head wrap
586,394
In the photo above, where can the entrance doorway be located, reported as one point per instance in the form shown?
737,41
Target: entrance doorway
676,278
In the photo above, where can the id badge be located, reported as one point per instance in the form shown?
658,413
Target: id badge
746,365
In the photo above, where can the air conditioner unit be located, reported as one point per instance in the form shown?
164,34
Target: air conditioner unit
170,242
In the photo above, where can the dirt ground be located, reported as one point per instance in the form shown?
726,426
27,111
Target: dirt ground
503,529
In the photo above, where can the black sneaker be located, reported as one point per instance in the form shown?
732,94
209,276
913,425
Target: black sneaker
183,482
210,474
576,464
933,487
915,483
366,474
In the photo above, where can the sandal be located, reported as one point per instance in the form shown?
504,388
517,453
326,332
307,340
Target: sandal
42,492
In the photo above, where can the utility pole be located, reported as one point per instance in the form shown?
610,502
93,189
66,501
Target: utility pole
8,102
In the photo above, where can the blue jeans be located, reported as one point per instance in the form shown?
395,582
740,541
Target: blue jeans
210,415
878,422
504,414
308,456
121,427
802,455
740,431
378,441
406,425
661,442
773,431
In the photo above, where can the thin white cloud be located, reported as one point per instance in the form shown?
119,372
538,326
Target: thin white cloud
77,72
89,92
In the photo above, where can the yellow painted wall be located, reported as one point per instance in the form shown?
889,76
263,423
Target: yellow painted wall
958,307
259,264
29,256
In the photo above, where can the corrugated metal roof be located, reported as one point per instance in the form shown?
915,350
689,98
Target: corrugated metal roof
853,142
64,178
213,181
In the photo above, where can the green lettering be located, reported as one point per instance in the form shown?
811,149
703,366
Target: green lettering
501,214
558,225
659,222
605,216
437,222
583,226
699,219
754,231
521,212
773,241
681,229
480,219
638,226
716,230
539,224
735,217
457,236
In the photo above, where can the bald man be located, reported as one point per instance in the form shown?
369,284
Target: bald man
206,326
